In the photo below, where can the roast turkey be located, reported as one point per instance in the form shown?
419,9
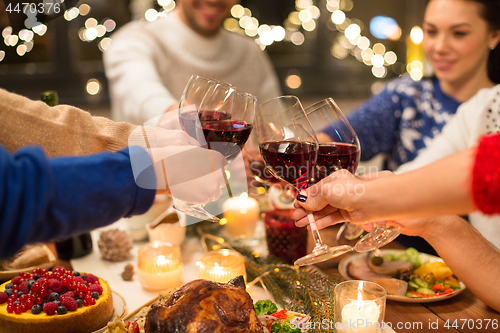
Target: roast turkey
203,306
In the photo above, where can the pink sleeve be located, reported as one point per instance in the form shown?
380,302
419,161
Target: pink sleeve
486,175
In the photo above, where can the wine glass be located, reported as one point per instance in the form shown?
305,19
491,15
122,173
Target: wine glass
289,147
221,118
226,134
197,90
339,149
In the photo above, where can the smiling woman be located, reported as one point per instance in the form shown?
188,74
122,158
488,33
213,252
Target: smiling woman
460,36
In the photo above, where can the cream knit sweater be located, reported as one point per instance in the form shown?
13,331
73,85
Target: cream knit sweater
59,130
149,63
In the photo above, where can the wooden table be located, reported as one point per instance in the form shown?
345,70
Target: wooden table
462,313
452,316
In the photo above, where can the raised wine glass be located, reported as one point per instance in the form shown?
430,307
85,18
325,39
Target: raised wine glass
339,149
221,118
197,91
289,147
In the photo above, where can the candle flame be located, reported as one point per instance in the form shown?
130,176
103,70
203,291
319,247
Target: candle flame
360,296
243,196
161,260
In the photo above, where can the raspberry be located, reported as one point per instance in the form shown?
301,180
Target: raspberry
69,294
17,280
91,279
96,287
78,279
69,303
50,308
55,285
23,287
3,297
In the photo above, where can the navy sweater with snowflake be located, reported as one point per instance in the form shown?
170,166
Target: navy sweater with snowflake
43,199
401,120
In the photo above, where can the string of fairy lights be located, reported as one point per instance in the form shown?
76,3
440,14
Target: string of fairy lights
349,40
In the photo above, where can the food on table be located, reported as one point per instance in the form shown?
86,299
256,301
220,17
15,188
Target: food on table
31,256
423,279
115,245
58,301
280,321
392,286
206,306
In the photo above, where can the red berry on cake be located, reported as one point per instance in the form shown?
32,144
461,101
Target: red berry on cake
69,303
96,287
3,297
91,279
50,308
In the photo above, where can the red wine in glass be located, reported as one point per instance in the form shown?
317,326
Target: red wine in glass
335,156
227,136
188,119
291,161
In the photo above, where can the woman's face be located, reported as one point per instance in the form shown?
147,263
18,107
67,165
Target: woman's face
457,39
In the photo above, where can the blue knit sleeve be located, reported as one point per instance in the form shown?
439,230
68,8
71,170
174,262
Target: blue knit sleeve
375,123
44,199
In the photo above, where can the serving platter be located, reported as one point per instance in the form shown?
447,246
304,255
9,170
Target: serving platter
119,307
425,258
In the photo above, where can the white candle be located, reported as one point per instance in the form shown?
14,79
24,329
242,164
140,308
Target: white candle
159,266
360,316
222,266
241,215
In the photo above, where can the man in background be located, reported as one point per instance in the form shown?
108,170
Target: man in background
149,63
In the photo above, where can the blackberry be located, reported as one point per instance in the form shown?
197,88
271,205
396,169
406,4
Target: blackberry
30,283
19,294
9,286
9,292
75,273
95,295
36,276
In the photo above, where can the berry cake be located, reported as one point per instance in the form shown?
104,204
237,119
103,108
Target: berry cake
58,301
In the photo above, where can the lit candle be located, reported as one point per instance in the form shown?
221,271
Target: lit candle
222,266
159,266
362,309
241,215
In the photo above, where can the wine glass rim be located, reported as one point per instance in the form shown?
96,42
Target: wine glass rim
327,101
292,97
212,80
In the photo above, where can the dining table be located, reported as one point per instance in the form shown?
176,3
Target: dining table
461,313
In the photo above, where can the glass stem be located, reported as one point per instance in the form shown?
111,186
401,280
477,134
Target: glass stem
315,232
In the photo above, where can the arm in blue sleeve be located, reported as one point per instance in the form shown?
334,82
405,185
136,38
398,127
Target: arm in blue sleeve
375,124
44,199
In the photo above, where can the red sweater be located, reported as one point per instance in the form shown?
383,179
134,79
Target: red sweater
486,175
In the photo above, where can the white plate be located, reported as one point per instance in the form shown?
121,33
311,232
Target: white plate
9,274
119,309
425,257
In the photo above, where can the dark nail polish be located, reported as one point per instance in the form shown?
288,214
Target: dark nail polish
301,198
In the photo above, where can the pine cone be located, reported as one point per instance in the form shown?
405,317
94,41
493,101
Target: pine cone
128,273
115,245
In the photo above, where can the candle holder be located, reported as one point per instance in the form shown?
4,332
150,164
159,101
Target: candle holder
359,307
159,266
222,266
284,239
